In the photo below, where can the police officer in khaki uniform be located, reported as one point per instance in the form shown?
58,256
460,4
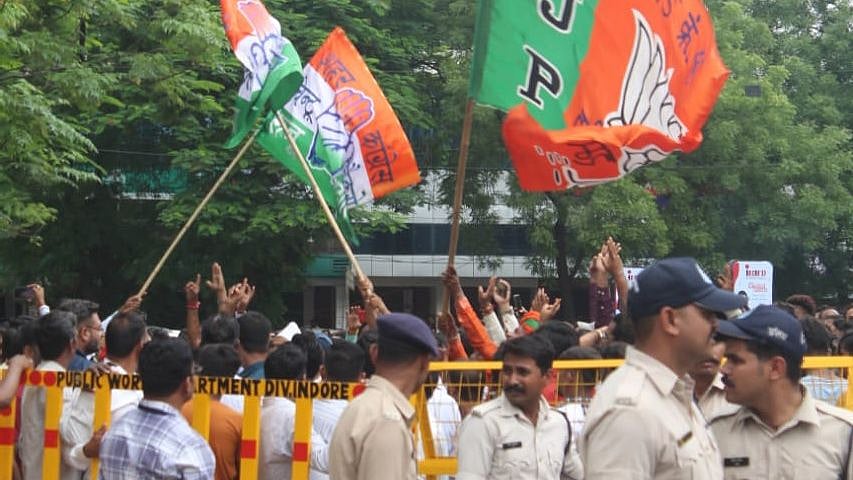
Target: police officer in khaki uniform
373,438
779,431
517,435
709,390
643,422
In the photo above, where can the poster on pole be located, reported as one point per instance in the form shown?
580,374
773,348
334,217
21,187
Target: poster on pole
754,280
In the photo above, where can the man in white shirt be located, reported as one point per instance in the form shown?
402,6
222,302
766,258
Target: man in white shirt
344,363
278,419
125,337
55,338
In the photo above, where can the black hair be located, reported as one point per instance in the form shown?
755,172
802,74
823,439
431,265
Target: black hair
845,344
805,302
365,340
124,333
614,350
220,329
561,335
787,307
589,375
537,347
164,365
286,362
397,352
26,336
157,333
218,360
765,351
624,331
643,326
54,333
818,338
82,309
255,329
344,362
9,339
314,352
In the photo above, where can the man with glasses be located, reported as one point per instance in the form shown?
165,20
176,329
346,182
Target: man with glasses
88,328
643,421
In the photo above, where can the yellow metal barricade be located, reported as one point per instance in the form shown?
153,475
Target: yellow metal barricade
468,383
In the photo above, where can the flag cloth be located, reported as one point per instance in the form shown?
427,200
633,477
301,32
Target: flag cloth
346,128
273,70
595,88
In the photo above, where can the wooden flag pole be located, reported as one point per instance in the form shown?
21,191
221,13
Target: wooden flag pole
197,211
464,143
326,210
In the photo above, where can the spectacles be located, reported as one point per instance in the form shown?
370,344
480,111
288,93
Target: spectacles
96,329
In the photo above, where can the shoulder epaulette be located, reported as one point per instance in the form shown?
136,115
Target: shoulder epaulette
837,412
484,408
724,412
628,391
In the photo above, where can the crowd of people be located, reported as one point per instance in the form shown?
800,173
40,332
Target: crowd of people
670,410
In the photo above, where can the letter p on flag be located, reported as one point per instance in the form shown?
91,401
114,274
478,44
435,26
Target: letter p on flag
609,85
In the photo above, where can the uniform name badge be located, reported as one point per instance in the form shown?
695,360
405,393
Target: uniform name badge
736,462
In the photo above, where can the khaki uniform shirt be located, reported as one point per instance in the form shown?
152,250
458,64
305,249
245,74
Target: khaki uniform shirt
373,438
813,445
497,441
643,424
714,399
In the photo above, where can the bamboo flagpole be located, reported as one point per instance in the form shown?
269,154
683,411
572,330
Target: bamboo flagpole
197,211
326,210
456,214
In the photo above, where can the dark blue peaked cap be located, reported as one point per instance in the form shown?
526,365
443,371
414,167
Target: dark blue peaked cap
769,325
676,282
408,329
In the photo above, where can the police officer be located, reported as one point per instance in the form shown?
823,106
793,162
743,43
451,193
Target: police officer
779,430
643,422
517,435
373,438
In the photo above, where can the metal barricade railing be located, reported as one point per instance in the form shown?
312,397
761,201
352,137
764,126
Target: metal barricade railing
466,383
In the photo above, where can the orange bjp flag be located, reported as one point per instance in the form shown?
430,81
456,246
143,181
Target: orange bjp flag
600,87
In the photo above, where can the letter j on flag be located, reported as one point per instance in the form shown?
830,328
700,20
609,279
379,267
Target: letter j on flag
595,89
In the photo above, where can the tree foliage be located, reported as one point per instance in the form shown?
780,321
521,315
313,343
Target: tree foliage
100,97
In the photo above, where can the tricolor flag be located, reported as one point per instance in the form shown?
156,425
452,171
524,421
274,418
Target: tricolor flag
595,88
346,129
273,70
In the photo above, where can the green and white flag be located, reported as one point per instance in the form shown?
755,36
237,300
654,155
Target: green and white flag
273,70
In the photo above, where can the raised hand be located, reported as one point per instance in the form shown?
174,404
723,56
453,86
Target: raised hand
597,271
217,283
244,294
191,290
539,299
38,294
612,260
354,315
503,295
447,326
132,303
451,281
549,310
485,296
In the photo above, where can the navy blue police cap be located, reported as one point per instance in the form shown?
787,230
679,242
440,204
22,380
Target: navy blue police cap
676,282
407,329
769,325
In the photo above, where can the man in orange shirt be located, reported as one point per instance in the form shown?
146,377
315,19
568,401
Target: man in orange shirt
226,424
